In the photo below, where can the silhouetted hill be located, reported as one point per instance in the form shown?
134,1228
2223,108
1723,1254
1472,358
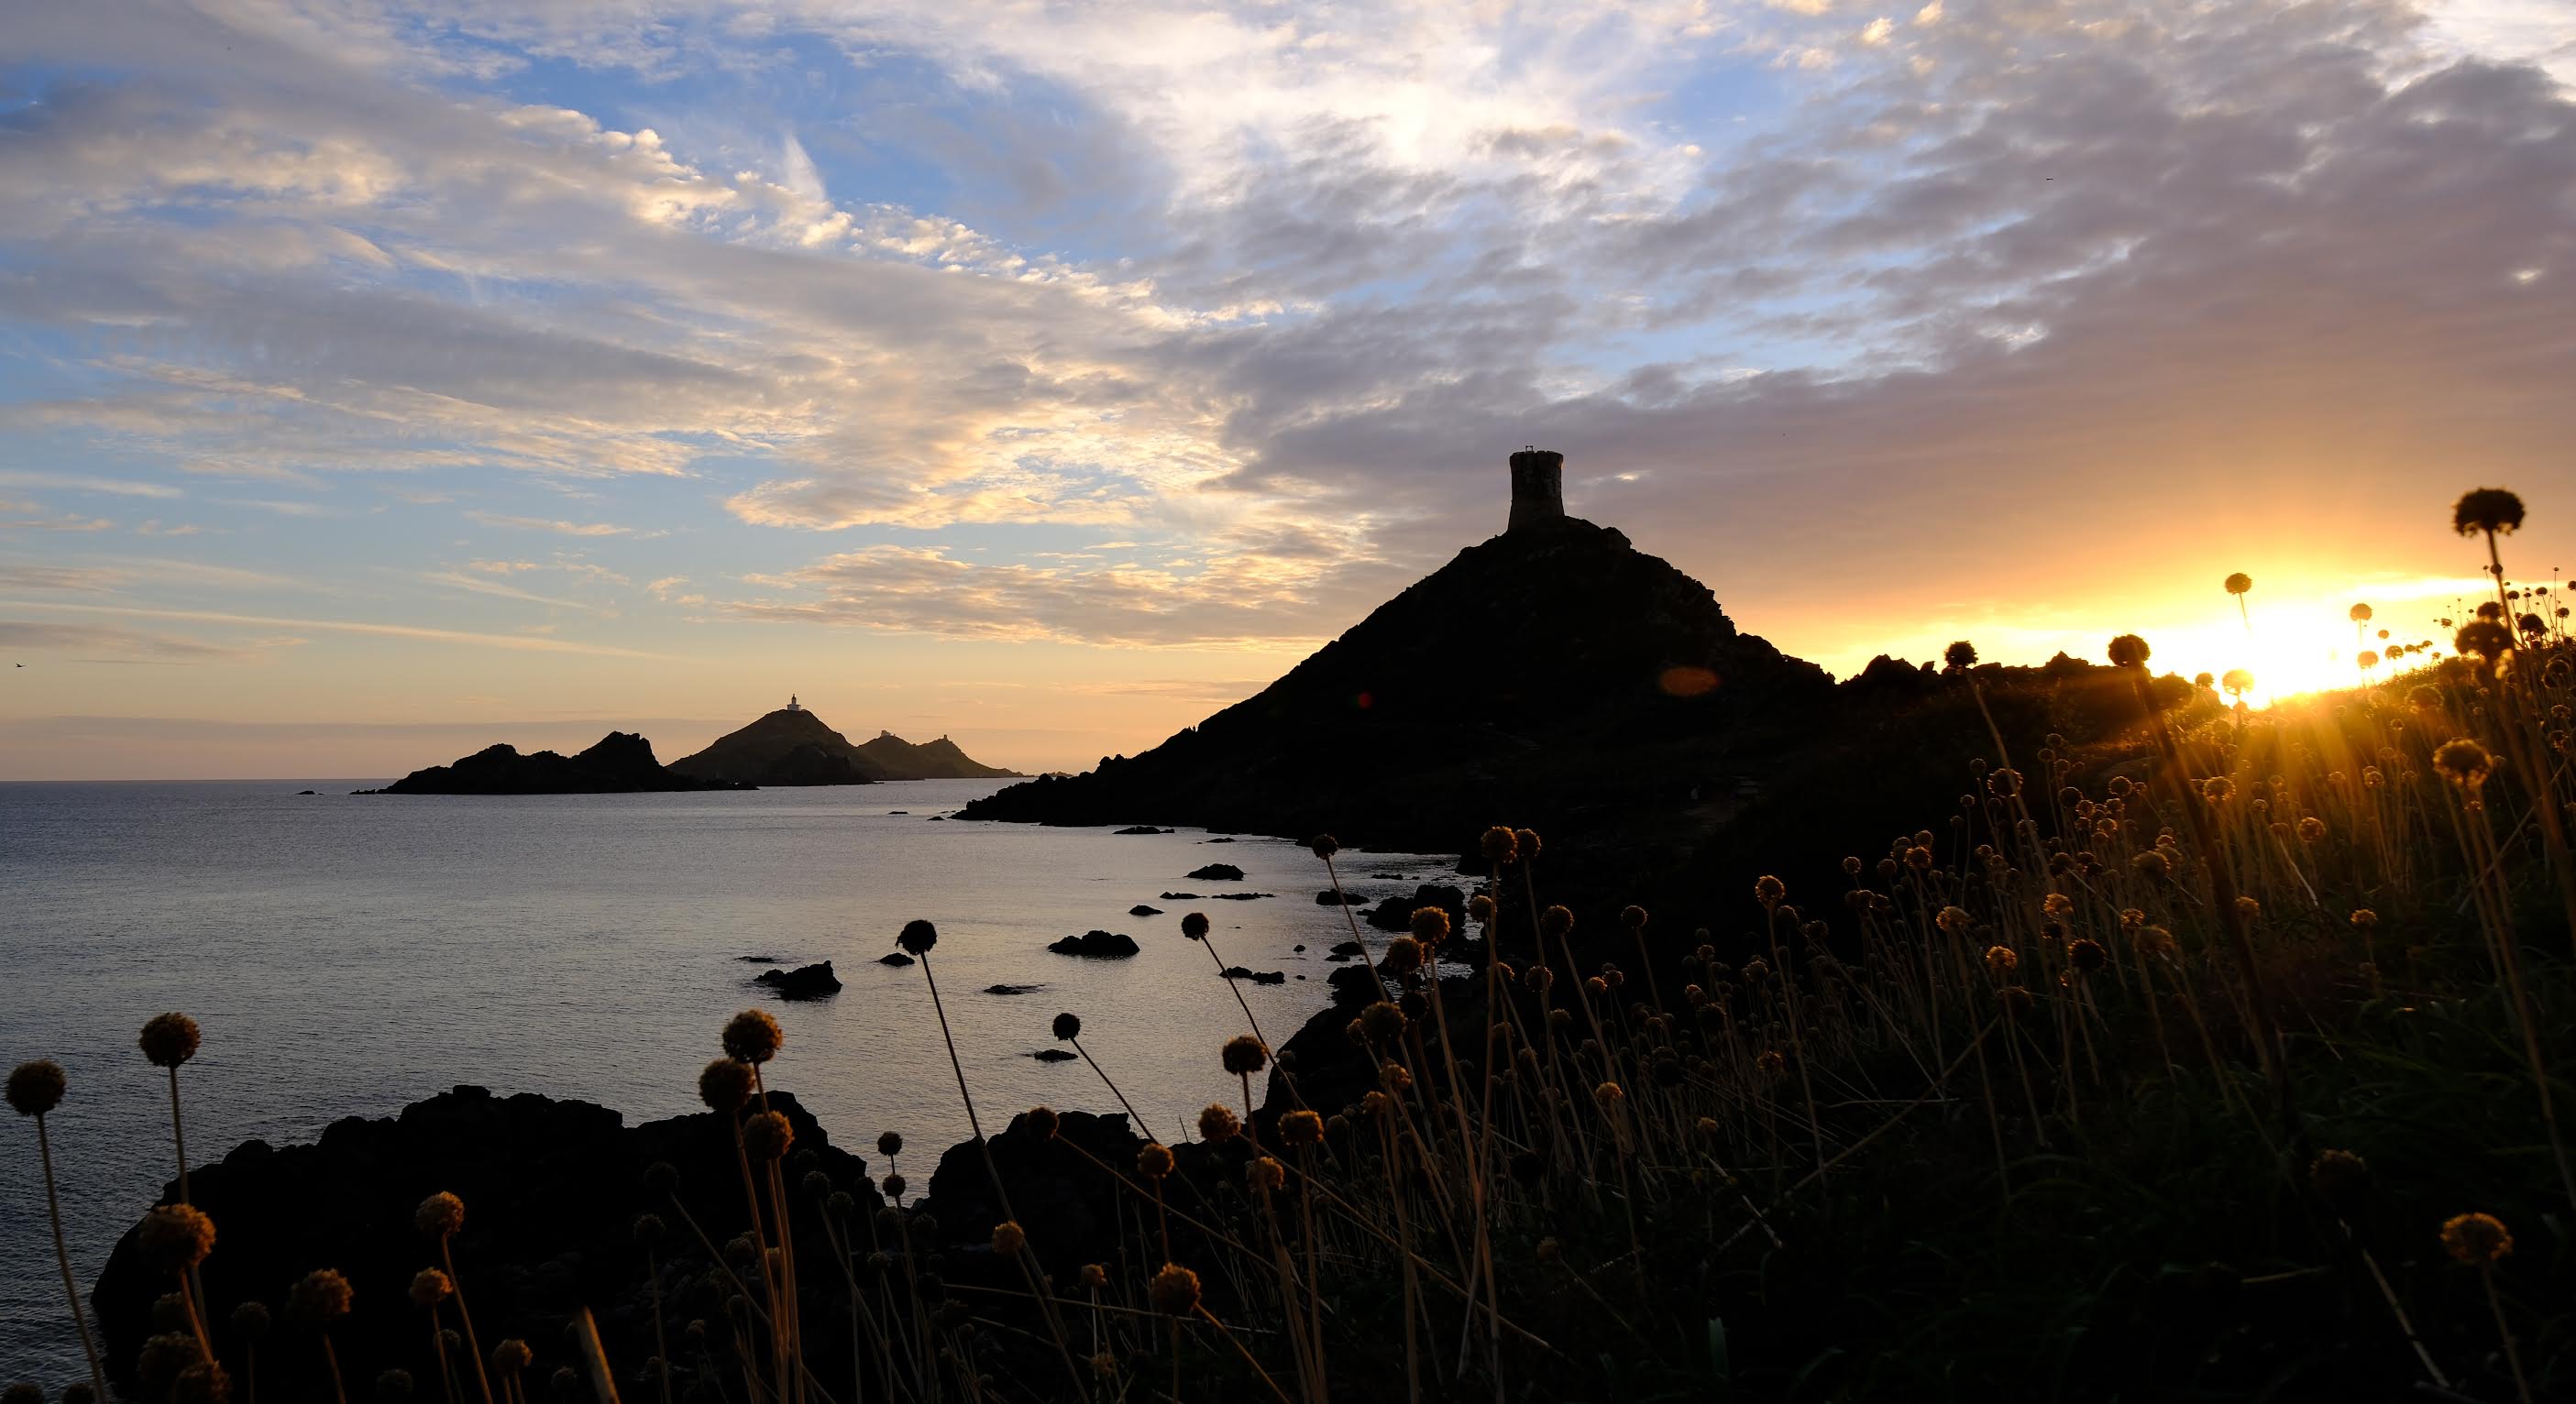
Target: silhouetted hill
792,746
621,762
1550,675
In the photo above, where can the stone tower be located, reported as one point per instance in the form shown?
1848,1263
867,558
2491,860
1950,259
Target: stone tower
1538,489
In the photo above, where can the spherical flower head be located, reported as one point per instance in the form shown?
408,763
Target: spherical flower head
36,1087
1919,858
2485,638
393,1386
1009,1238
1499,845
1537,978
175,1237
1195,926
1633,917
1382,1023
1480,909
2364,918
2015,1000
1953,920
2002,960
2312,829
2367,658
1398,1079
917,936
2151,864
2339,1177
1265,1174
511,1356
2057,904
1430,925
1174,1290
249,1321
889,1144
429,1287
2486,510
650,1230
2129,651
1960,656
1769,891
1045,1122
1301,1127
1154,1160
1770,1063
1068,1027
725,1085
2358,614
169,1040
2480,1240
752,1036
319,1298
1374,1104
1244,1055
2239,583
767,1136
440,1215
1525,845
2087,955
158,1365
202,1383
1556,921
1402,956
1325,845
894,1185
1217,1124
1095,1275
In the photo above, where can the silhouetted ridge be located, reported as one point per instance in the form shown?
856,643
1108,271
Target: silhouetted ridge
1544,669
621,762
792,746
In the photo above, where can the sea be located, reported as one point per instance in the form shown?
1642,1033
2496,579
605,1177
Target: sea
349,954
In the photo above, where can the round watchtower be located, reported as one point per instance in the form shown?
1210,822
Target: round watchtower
1538,489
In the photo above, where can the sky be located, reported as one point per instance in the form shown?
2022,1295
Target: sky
379,381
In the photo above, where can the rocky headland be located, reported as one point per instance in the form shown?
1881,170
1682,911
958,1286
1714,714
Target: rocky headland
622,762
792,746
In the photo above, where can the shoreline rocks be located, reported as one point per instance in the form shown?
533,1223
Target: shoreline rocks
814,981
1097,945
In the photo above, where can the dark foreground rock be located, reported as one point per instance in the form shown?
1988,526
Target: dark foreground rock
1101,945
1396,913
814,981
551,1191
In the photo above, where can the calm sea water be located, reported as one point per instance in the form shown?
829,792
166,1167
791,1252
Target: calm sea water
353,954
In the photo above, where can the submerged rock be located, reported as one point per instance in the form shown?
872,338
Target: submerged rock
1143,829
894,958
1052,1055
814,981
1140,909
1258,977
1012,989
1103,945
1335,897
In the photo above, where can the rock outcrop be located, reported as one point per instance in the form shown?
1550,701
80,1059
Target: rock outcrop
814,981
621,763
1100,945
792,746
1595,678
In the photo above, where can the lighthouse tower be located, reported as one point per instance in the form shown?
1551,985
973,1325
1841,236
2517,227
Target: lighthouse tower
792,704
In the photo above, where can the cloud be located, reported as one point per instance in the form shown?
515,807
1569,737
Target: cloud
475,584
346,626
122,645
560,528
80,482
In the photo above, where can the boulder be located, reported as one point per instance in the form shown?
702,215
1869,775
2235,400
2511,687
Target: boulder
1218,872
1058,1186
1396,913
1052,1055
1258,977
814,981
1012,989
1336,897
894,958
1102,945
1140,909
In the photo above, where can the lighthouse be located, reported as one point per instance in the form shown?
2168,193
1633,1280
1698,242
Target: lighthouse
791,703
1538,489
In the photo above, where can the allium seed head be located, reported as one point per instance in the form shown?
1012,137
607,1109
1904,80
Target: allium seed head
2002,960
767,1136
1325,845
511,1356
1218,1124
2129,651
2086,954
2479,1240
1154,1160
752,1036
1556,921
1009,1238
175,1237
1244,1055
1301,1127
1499,845
250,1320
1195,926
889,1144
429,1287
917,936
1068,1027
1525,844
2492,510
1045,1122
169,1040
36,1087
1480,909
440,1215
319,1298
1265,1174
725,1085
1174,1290
1402,956
1430,925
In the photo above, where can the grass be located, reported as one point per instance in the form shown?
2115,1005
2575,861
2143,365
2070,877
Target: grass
2200,1054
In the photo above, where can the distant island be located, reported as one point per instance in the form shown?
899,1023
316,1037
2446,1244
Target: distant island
790,746
621,763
